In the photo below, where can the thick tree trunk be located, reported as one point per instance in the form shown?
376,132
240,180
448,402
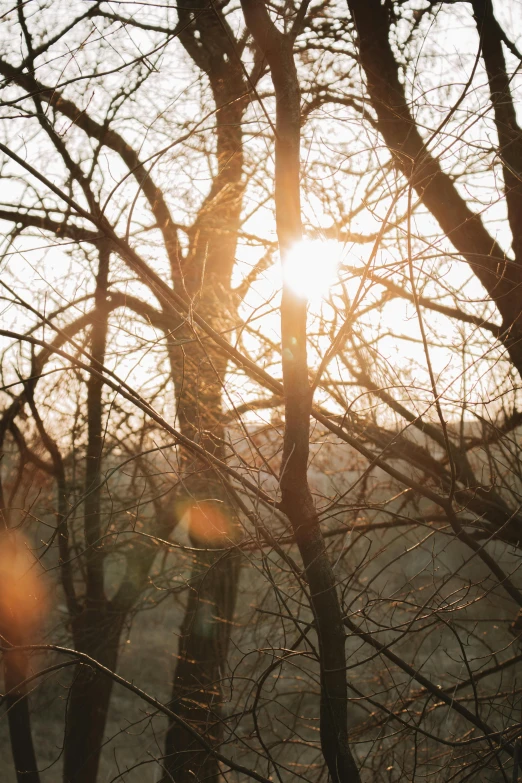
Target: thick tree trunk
95,630
508,129
297,501
17,705
501,278
98,635
205,630
202,659
205,275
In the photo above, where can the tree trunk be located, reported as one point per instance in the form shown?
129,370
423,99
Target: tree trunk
98,635
504,111
296,498
206,275
17,704
95,630
202,657
500,277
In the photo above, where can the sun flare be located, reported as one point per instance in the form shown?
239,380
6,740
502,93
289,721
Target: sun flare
311,267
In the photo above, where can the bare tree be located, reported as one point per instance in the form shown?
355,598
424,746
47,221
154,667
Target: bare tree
296,498
326,488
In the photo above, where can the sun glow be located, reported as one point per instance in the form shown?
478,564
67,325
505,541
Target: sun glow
311,267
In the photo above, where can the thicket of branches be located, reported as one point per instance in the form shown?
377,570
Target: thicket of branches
320,500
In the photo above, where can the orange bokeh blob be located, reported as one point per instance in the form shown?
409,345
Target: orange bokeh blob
22,595
206,522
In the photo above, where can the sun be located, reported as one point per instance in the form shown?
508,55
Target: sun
311,267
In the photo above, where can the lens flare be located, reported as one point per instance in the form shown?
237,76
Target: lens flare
205,522
22,594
